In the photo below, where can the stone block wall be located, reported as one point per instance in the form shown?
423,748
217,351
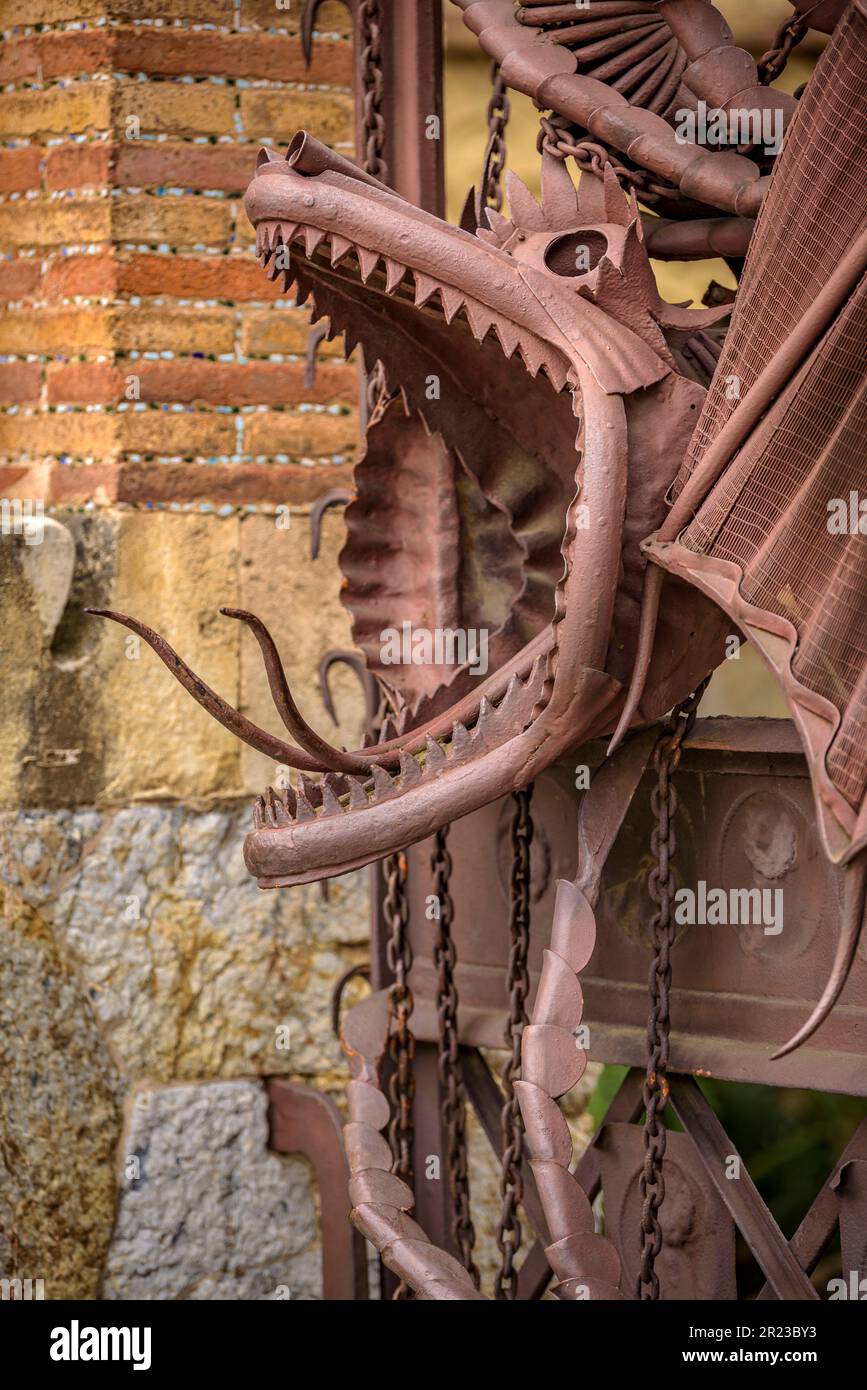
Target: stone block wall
156,429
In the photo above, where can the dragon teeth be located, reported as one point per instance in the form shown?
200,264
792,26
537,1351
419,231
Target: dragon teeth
410,772
424,288
340,247
367,262
452,301
436,758
357,794
330,804
394,273
382,783
460,738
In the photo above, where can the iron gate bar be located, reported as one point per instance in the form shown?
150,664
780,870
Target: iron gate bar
741,1196
301,1120
818,1225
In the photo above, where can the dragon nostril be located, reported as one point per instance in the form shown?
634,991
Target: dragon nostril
576,253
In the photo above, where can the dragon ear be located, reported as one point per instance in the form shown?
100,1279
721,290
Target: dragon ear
559,196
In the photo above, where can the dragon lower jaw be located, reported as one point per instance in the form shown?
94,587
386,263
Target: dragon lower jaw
328,828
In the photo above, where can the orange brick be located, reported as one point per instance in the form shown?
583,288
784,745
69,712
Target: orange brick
84,275
20,279
178,221
66,222
277,115
161,329
173,108
207,277
204,11
70,432
175,51
20,381
74,165
143,163
43,56
76,108
50,11
253,383
282,330
332,17
19,169
63,331
85,383
176,432
300,436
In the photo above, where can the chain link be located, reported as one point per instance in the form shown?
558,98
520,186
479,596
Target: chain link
558,137
660,885
518,984
373,86
401,1042
787,37
499,109
454,1104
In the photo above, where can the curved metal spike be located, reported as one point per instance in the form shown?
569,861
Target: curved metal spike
366,678
851,926
334,759
653,581
335,497
216,706
317,333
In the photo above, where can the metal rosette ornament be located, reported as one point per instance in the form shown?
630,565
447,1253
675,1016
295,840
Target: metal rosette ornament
624,43
585,1263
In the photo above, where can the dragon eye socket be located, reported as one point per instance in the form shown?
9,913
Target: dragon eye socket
576,253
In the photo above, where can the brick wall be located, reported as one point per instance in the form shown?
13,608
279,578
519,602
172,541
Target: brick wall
152,399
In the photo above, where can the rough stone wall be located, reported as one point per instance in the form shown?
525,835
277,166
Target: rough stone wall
154,405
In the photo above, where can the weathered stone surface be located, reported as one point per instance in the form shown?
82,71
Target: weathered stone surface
193,972
206,1211
60,1109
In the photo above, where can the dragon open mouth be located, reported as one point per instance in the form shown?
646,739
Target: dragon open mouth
491,495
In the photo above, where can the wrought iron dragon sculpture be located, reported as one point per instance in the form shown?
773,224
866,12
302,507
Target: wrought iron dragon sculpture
582,483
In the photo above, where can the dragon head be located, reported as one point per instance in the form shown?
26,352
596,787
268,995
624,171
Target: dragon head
537,397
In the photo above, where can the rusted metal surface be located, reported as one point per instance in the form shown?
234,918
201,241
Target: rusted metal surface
305,1121
531,470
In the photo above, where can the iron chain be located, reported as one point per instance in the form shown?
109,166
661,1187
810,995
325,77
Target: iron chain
498,112
373,86
558,137
788,36
518,984
660,885
401,1042
454,1103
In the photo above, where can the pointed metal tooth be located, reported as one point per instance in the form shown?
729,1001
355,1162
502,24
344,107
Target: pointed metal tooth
389,729
287,796
258,813
270,806
410,772
304,810
452,301
330,805
507,334
531,356
511,689
394,273
490,238
480,319
382,783
287,232
436,758
303,293
340,247
460,738
313,237
484,710
357,794
367,262
424,288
